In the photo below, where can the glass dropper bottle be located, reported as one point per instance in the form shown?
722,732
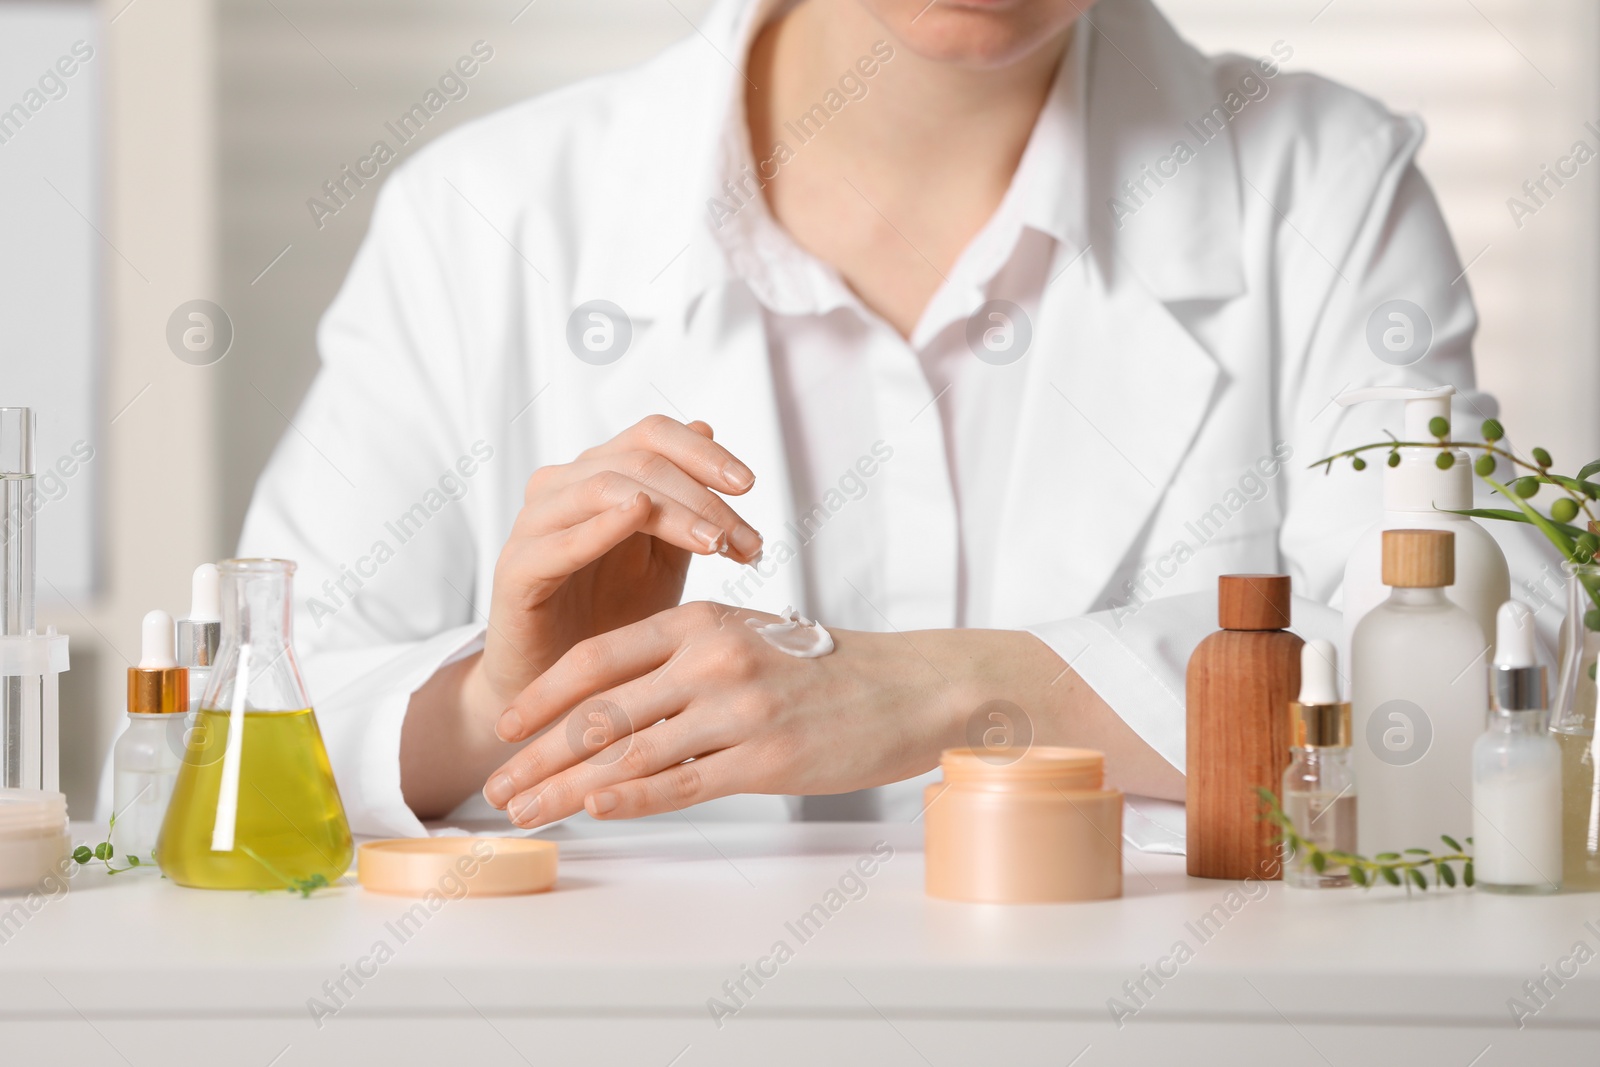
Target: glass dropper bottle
1319,788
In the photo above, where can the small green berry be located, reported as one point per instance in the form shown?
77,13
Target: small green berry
1359,464
1484,466
1526,488
1439,426
81,854
102,851
1588,545
1445,461
133,861
1565,509
1541,457
1492,430
1394,459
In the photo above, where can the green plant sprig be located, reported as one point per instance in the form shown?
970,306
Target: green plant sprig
105,852
1409,868
304,886
1579,492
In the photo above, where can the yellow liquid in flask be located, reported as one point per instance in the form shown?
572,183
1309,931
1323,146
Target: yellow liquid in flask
291,823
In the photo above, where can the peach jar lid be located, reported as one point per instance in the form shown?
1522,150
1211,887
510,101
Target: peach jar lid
1058,766
482,866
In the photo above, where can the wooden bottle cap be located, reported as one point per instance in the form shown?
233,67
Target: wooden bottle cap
1253,601
1419,559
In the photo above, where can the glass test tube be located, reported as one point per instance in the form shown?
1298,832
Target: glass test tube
17,700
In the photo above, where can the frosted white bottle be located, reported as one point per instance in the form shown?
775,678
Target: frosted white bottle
1516,771
1418,701
147,757
1417,495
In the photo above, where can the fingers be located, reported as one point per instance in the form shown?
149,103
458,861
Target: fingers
600,729
673,789
642,754
556,555
686,514
689,447
593,666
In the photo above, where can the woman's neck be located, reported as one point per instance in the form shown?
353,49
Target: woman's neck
922,149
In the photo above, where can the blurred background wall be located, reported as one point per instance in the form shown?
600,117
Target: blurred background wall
220,119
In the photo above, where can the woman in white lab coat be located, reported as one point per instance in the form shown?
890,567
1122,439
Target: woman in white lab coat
1015,328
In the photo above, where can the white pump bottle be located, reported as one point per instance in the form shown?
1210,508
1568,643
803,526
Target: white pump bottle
1418,495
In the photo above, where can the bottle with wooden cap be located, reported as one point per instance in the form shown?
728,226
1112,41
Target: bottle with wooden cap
1419,699
1239,681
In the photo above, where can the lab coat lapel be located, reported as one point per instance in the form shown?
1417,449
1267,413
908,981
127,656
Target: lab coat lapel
1110,410
1119,388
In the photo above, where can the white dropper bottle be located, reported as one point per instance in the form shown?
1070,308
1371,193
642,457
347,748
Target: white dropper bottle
1516,770
146,758
1420,495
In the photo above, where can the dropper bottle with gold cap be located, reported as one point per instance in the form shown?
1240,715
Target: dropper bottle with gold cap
147,756
1419,699
1319,788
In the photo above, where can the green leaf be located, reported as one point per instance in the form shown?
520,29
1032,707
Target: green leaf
1387,856
1556,537
1319,862
1466,874
1590,469
1419,852
1446,875
1358,876
1507,515
1416,876
1390,875
1454,845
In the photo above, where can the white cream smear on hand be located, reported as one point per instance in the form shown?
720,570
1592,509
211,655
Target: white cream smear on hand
794,634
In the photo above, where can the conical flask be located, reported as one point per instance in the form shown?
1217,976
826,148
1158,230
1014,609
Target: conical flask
255,806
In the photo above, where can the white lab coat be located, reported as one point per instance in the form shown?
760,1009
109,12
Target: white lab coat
1181,377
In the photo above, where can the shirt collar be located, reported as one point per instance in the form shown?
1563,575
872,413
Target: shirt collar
741,239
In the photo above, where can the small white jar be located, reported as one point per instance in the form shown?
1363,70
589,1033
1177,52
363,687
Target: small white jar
34,841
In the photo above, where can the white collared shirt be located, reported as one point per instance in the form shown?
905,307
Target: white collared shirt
941,402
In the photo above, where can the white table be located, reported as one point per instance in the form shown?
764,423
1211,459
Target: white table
649,920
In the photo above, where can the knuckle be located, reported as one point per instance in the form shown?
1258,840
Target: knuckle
650,467
684,784
638,756
652,427
589,656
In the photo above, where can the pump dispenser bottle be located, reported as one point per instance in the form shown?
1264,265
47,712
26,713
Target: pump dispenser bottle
1516,771
1319,788
1418,697
147,756
1418,495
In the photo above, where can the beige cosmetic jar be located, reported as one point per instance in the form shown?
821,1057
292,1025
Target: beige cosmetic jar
34,844
1034,827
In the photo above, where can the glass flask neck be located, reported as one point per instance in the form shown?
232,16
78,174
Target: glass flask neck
256,647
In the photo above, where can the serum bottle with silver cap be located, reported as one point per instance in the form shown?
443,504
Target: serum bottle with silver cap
1516,770
201,633
1319,788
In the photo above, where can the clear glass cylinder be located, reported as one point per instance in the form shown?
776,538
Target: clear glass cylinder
1574,720
255,806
